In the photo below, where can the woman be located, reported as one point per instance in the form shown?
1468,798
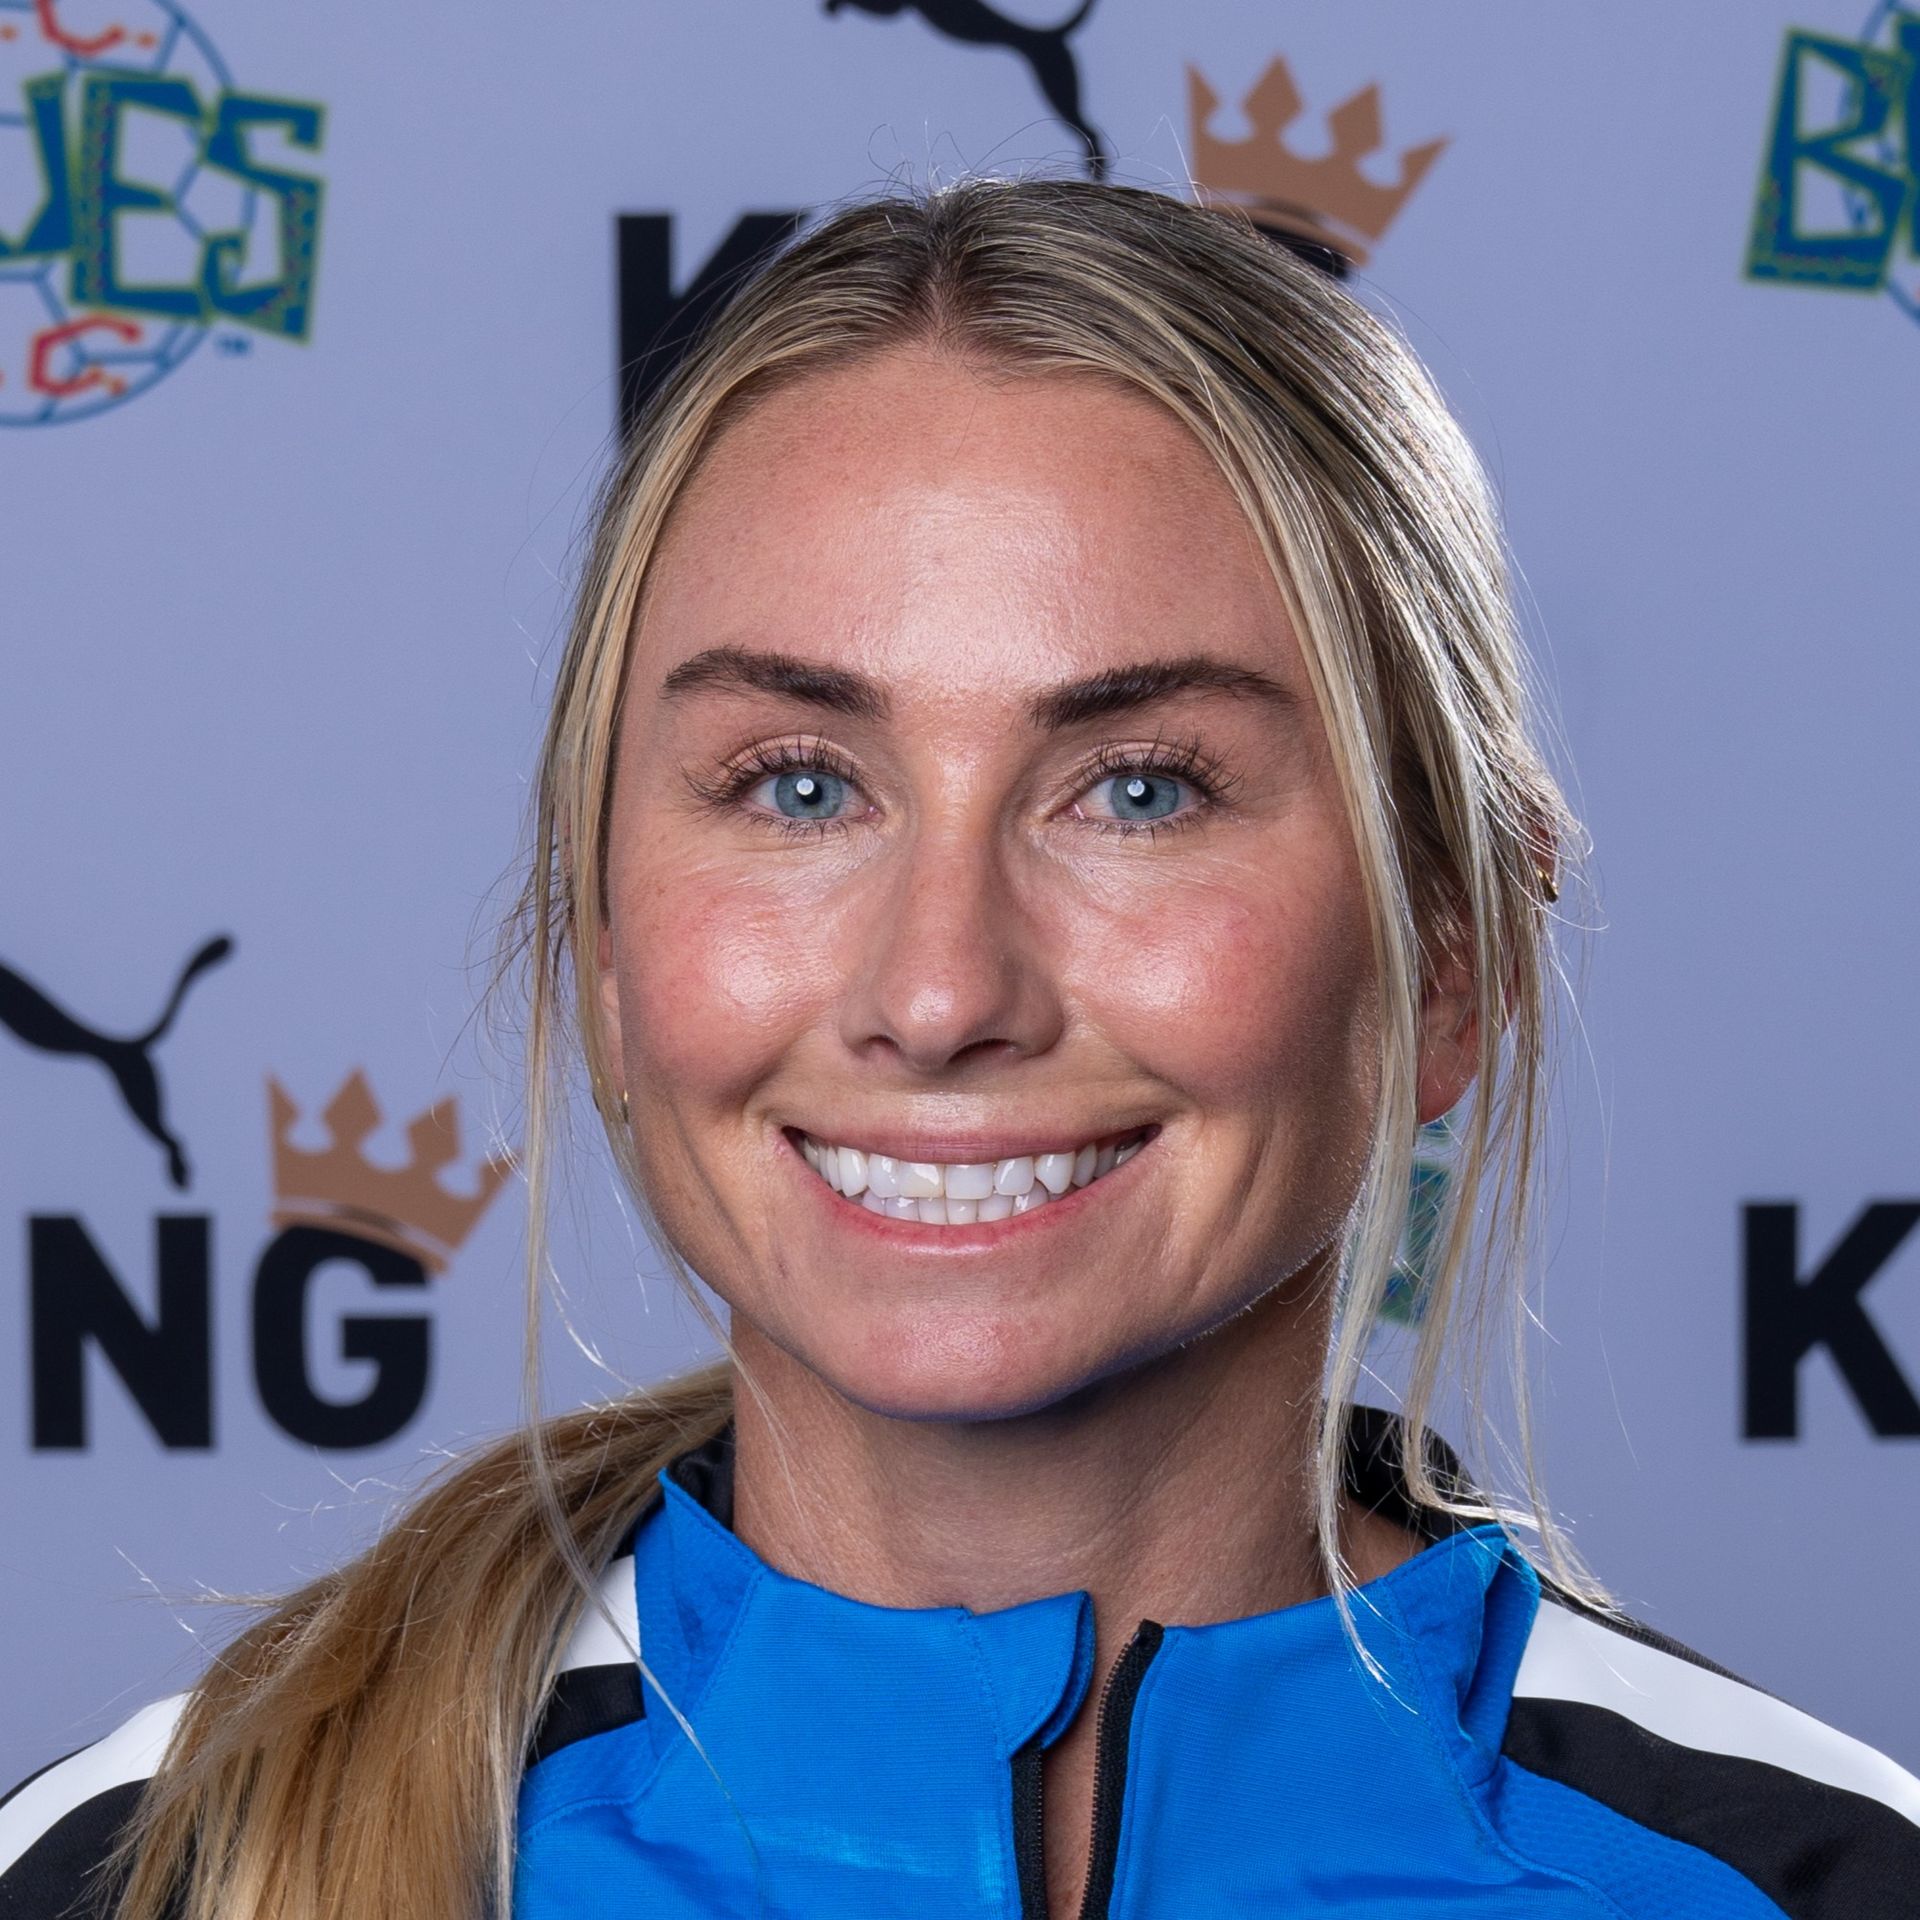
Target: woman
1037,813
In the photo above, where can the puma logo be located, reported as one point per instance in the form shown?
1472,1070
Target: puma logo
1044,49
38,1022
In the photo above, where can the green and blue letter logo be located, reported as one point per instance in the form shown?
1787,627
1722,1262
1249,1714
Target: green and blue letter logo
142,205
1840,180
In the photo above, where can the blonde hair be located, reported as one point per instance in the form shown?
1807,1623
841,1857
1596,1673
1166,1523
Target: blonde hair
361,1746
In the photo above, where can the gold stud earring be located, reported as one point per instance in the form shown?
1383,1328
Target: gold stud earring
625,1110
1549,886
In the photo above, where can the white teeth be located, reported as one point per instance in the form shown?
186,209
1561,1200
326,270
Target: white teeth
919,1179
967,1191
1054,1171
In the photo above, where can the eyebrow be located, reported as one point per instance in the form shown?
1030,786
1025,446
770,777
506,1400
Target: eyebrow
841,690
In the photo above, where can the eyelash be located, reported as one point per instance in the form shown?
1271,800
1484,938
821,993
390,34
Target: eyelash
769,759
1183,760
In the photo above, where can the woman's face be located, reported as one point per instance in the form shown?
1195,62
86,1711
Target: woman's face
972,810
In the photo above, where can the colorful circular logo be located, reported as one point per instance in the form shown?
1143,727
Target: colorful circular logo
134,217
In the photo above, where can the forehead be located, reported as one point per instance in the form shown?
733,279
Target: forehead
912,500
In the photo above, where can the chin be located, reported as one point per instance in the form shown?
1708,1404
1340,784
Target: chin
962,1367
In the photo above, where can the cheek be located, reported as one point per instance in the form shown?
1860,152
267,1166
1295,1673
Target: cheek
1246,992
715,977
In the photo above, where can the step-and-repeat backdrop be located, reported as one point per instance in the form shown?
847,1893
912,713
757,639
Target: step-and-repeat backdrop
310,329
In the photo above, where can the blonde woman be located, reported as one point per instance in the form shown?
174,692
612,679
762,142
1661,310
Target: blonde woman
1038,811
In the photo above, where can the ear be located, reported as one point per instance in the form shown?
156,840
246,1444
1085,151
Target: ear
1449,1023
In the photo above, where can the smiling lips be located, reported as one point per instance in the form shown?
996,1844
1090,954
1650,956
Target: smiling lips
962,1193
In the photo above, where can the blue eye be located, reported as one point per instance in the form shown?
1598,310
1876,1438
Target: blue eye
1141,796
808,793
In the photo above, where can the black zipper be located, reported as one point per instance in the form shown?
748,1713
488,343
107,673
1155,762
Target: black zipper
1028,1833
1112,1737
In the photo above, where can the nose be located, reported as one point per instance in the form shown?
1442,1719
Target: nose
954,969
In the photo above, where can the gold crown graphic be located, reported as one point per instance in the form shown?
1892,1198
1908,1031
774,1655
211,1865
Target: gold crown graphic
1328,201
405,1208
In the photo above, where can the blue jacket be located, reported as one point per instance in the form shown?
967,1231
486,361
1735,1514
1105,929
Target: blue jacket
1522,1758
810,1757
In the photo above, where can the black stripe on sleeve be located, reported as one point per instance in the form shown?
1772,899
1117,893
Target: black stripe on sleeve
1818,1852
59,1877
586,1701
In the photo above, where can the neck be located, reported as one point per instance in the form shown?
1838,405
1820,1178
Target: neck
1181,1491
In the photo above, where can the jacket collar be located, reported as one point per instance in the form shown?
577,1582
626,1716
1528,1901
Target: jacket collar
1424,1626
695,1576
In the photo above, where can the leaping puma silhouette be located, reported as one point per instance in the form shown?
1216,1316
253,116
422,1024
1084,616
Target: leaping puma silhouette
1044,49
37,1021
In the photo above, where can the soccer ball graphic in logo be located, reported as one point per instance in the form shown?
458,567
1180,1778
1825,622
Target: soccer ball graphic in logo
134,214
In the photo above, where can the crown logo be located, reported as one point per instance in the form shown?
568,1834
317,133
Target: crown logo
1329,202
405,1208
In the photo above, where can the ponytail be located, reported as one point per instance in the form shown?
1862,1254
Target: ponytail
360,1749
